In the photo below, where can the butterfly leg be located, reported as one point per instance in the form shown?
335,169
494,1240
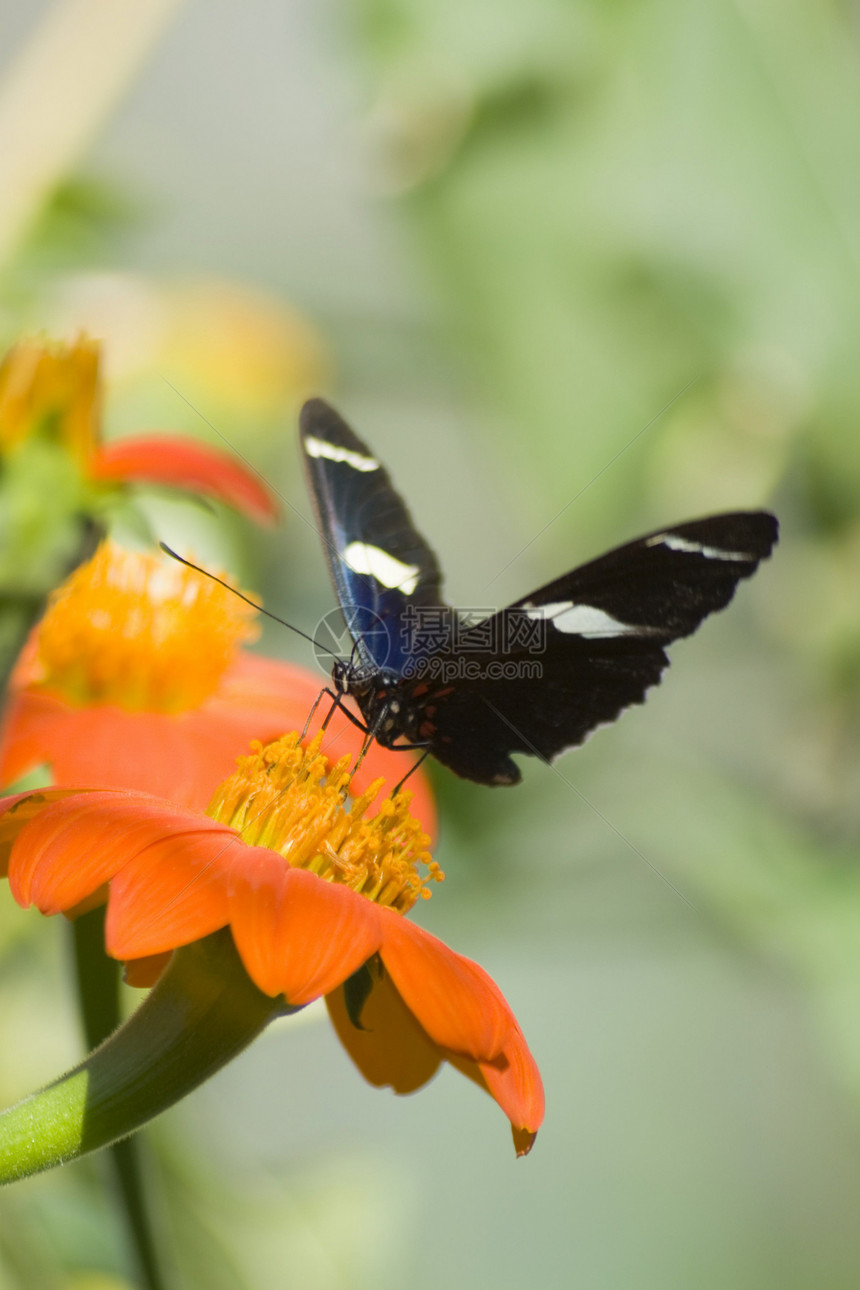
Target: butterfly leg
317,701
337,703
337,700
356,721
368,740
370,733
397,787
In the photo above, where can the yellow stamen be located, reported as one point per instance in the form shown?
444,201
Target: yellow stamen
53,390
139,631
291,800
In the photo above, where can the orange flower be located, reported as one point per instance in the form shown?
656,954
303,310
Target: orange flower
53,391
314,895
135,679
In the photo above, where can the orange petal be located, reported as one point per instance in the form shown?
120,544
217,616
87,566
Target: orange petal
76,844
20,809
174,892
390,1049
181,757
20,752
513,1081
185,463
296,934
453,998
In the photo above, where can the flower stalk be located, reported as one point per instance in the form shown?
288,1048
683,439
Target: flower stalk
202,1012
97,980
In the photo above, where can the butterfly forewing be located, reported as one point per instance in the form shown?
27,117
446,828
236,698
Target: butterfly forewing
667,581
574,654
379,563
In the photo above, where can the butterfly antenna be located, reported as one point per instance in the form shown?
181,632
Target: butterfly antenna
248,601
361,636
354,650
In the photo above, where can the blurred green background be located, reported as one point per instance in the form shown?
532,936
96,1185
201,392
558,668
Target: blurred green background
576,270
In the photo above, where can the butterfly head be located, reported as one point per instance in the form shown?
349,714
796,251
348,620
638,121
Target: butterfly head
349,677
378,695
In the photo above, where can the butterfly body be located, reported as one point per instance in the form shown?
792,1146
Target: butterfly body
536,677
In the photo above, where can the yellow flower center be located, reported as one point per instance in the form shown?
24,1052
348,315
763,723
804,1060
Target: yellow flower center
291,800
139,631
51,389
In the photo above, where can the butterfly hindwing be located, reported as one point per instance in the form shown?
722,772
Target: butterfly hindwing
479,725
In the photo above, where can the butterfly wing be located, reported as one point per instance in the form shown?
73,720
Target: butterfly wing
540,676
380,565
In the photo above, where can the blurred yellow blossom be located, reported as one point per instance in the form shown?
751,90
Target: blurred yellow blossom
51,389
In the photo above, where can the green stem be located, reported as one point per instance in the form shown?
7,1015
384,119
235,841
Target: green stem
97,978
202,1012
98,1003
127,1170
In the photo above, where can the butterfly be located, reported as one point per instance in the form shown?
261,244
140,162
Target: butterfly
537,677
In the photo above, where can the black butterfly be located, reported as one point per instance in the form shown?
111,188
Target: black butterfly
536,677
